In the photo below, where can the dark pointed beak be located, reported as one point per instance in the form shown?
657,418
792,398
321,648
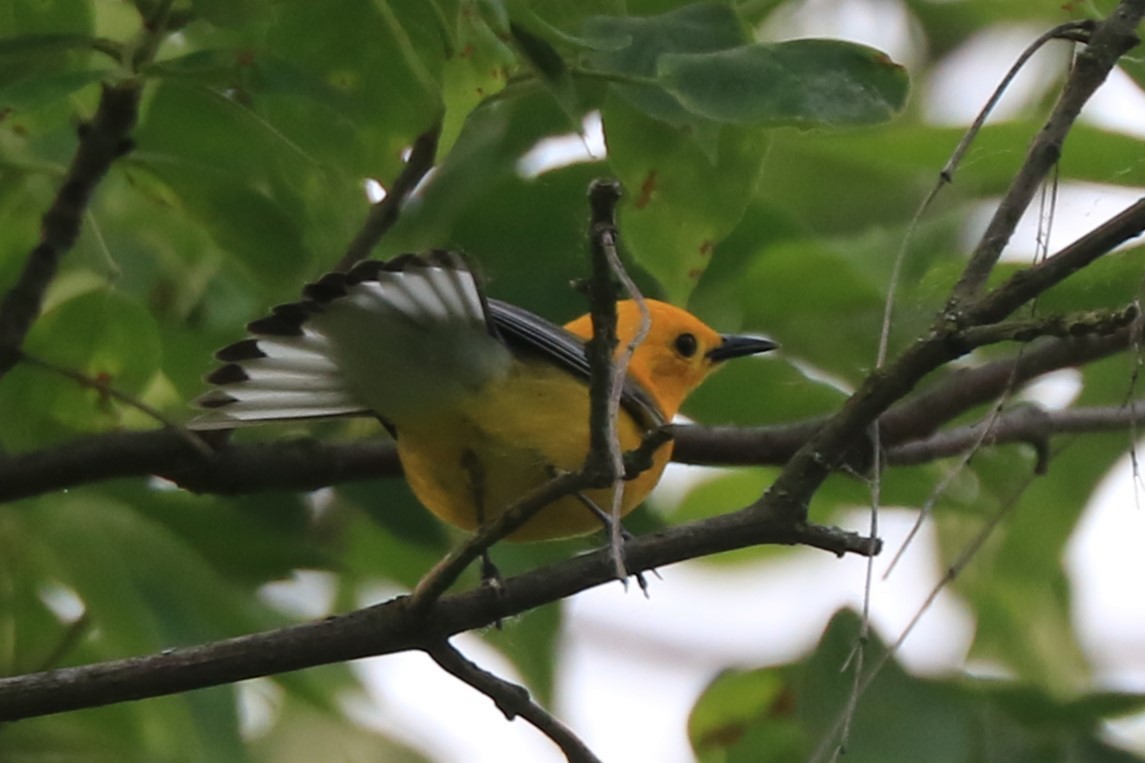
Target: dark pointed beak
739,346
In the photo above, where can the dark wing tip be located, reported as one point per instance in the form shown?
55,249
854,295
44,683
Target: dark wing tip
370,270
247,349
216,398
285,320
231,373
327,288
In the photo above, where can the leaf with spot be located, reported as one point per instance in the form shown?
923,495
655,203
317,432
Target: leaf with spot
680,202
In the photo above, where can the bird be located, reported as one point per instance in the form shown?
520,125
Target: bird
486,400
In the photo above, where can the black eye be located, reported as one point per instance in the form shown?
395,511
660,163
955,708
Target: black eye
686,345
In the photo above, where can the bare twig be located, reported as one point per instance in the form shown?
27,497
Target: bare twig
511,699
1027,284
1108,41
1023,424
384,213
952,572
1094,322
609,370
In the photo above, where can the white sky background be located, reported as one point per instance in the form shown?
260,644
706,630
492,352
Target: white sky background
631,668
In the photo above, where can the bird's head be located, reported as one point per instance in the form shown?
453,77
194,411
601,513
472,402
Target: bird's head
678,353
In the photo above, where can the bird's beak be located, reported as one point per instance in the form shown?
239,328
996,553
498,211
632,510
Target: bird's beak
739,346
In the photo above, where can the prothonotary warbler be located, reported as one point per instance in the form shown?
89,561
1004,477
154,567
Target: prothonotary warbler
486,400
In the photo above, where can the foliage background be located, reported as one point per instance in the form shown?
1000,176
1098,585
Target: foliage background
260,124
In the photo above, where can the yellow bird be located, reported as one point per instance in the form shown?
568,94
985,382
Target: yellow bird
486,400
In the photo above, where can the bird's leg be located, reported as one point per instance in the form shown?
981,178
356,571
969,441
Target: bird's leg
490,575
606,520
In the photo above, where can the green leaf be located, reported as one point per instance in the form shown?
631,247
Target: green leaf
550,67
104,335
696,28
231,13
477,69
808,83
745,710
43,44
681,199
35,92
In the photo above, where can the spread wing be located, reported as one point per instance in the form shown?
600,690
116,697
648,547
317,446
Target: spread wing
388,339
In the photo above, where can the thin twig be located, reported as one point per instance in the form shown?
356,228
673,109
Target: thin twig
603,198
105,388
1075,31
1024,285
384,213
956,567
511,699
1108,41
1092,322
1023,424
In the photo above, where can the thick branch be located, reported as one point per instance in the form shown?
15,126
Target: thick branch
308,464
391,627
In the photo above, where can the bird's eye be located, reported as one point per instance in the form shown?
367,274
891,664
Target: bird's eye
686,345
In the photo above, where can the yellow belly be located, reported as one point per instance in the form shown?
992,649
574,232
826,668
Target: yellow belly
469,464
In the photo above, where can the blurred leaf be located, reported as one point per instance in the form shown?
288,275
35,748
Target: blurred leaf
231,12
530,641
695,28
787,712
543,59
103,335
42,44
300,735
745,716
34,92
802,82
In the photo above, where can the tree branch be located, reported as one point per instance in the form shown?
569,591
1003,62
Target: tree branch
102,140
1025,423
1027,284
512,700
1111,39
307,464
391,626
384,213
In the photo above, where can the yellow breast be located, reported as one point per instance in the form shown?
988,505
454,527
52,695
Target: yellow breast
468,465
